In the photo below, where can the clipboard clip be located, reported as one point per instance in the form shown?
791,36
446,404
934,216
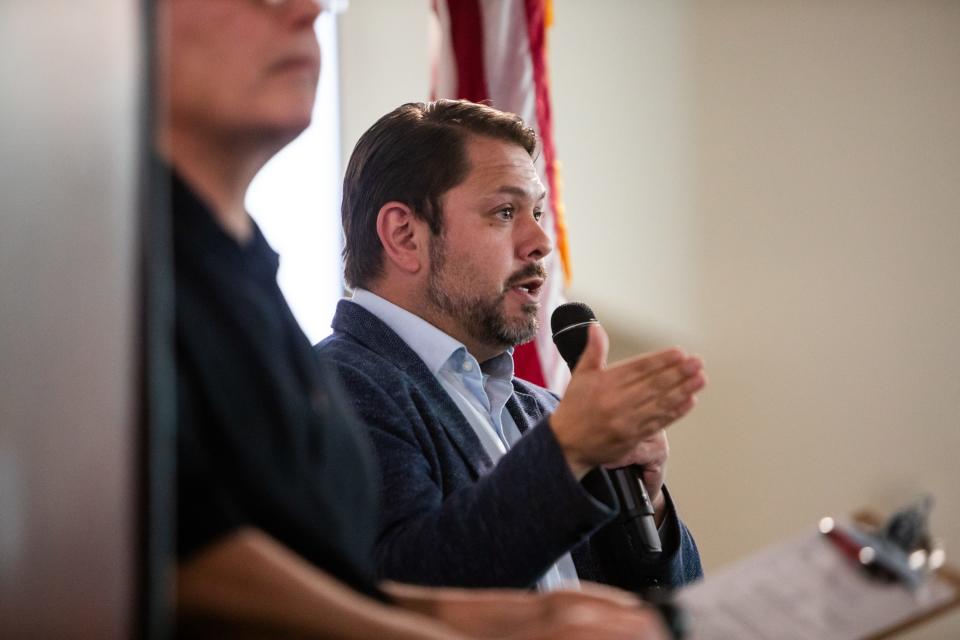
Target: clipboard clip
899,551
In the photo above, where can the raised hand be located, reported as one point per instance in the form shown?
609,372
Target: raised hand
607,411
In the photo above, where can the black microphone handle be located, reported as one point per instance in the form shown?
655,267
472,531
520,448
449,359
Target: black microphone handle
636,508
570,322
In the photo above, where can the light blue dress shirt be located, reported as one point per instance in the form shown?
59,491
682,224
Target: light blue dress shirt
481,392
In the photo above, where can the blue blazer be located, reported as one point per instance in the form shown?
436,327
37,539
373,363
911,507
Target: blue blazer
449,515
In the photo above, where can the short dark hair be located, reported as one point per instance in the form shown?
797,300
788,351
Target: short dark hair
414,155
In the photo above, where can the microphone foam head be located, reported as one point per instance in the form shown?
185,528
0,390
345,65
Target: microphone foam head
570,313
569,325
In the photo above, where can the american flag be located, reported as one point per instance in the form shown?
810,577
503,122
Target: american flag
495,51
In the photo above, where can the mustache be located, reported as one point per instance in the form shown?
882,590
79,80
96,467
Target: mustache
532,270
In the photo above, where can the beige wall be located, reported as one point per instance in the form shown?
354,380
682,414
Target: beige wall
775,185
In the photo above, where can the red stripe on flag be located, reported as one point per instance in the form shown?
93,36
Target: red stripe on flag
466,34
526,364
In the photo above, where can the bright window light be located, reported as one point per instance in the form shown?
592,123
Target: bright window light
296,201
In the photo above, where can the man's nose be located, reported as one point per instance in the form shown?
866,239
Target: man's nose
311,8
305,9
535,242
304,13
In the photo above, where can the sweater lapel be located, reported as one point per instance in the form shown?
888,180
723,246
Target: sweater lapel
374,334
524,409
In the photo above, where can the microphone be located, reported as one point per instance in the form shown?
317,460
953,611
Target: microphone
569,324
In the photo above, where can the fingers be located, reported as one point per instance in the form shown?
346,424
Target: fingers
685,408
654,409
673,374
594,356
673,397
595,612
651,453
653,450
657,441
646,385
643,365
607,411
592,592
606,623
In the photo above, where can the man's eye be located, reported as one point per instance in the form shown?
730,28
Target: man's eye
505,213
537,215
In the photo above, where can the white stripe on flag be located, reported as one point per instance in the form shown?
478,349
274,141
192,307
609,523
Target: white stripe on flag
507,60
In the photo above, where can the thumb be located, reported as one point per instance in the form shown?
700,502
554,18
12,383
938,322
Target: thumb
594,356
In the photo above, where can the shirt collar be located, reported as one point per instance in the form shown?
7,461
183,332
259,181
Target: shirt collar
430,343
500,367
435,348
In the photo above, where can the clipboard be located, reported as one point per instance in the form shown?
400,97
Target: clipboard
946,573
804,589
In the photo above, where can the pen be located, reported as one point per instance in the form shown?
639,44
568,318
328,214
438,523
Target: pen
876,556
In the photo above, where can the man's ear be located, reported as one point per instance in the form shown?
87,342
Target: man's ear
403,237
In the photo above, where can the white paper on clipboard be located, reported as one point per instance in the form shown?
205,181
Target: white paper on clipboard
803,589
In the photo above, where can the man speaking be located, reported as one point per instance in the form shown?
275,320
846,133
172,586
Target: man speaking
275,506
487,480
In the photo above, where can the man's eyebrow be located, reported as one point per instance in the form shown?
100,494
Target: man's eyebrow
519,191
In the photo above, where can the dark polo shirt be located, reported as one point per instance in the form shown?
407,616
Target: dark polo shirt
263,436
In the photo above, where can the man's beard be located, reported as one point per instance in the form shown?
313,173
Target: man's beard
483,319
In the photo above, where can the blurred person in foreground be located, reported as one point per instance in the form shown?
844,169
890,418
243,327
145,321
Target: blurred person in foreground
488,480
275,502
